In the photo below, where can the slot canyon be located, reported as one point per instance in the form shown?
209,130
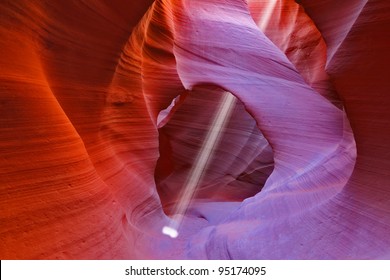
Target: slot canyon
106,112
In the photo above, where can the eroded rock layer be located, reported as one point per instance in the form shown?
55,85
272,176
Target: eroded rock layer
104,105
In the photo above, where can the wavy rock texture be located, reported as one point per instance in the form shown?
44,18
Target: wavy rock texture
104,105
287,25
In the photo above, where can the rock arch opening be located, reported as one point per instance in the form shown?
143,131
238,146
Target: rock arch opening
240,163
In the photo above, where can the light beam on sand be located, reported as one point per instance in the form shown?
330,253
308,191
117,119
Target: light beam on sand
200,165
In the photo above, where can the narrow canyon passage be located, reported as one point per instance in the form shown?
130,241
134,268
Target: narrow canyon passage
106,106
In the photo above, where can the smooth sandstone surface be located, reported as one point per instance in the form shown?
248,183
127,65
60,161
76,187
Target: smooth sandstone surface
105,104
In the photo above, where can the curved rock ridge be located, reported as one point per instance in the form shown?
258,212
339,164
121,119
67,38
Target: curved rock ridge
358,67
102,114
308,170
287,25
